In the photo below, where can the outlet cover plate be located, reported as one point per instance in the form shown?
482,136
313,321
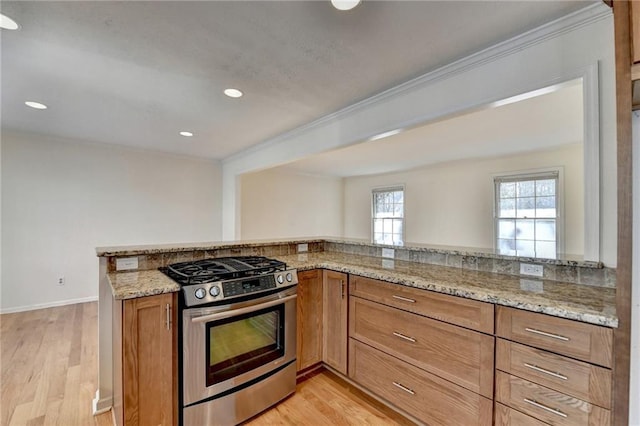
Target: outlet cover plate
303,248
388,253
531,269
126,263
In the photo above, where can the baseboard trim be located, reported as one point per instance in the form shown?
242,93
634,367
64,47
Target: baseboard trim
101,405
48,305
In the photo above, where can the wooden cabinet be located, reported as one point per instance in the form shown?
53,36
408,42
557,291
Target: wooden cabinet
547,405
145,362
425,396
454,310
309,311
335,306
585,342
402,349
552,369
462,356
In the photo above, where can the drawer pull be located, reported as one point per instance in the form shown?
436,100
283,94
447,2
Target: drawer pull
404,388
544,333
542,370
402,336
544,407
404,299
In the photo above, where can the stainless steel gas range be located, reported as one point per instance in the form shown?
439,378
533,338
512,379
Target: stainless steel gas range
238,337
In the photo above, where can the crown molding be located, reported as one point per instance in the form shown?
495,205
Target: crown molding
550,30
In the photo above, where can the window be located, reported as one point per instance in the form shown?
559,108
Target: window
388,216
527,215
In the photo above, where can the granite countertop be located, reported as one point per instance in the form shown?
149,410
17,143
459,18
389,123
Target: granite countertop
129,285
491,253
595,305
589,304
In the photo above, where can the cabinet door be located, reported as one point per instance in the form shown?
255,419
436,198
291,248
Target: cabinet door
335,305
148,370
309,327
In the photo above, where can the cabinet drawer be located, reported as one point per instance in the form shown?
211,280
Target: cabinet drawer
579,340
506,416
462,356
546,404
455,310
423,395
576,378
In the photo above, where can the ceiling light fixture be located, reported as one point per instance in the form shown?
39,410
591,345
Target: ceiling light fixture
187,134
8,23
233,93
36,105
384,135
345,4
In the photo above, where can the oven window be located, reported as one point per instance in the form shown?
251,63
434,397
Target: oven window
240,344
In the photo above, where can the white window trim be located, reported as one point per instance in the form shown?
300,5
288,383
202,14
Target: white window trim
398,187
533,173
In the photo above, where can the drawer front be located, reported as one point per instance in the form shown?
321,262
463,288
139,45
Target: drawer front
462,356
576,378
455,310
545,404
506,416
575,339
423,395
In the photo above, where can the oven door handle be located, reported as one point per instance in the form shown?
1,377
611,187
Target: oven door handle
241,311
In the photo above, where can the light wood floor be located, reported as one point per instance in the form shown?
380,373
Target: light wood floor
48,361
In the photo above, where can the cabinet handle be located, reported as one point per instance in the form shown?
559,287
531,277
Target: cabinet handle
168,312
545,371
404,388
404,299
544,407
402,336
342,286
544,333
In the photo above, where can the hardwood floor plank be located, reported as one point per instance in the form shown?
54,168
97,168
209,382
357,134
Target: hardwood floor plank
49,367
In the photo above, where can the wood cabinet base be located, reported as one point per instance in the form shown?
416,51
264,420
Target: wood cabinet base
421,394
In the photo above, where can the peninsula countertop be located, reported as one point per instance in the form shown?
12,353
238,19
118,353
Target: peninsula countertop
595,305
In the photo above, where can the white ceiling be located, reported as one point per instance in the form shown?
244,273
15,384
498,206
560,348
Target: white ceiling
137,73
538,123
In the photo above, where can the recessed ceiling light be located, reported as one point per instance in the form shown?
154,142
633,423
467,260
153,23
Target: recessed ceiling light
385,135
345,4
187,134
233,93
8,23
36,105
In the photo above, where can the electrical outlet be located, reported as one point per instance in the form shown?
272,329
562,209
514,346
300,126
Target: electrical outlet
60,280
126,263
302,248
389,253
531,269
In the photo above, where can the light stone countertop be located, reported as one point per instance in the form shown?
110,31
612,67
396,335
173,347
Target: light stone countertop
129,285
595,305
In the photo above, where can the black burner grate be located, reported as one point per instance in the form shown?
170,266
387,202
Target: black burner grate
222,268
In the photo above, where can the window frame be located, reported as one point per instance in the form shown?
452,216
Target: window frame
391,188
524,175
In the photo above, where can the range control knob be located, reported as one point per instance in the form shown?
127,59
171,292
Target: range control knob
289,276
214,291
200,293
280,279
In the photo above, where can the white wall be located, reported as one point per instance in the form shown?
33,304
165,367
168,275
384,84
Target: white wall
281,204
61,199
452,203
536,59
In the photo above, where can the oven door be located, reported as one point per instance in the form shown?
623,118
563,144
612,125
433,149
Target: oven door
230,345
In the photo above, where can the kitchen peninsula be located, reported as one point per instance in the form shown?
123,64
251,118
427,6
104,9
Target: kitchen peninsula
466,292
